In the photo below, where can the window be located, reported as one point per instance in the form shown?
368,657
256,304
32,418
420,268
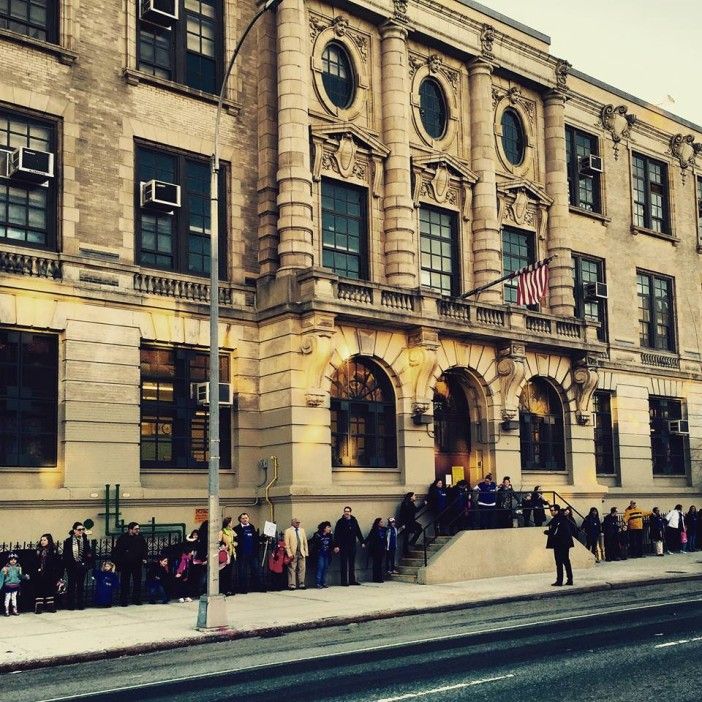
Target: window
362,416
669,448
337,75
656,311
28,399
190,52
604,436
699,211
173,426
179,241
451,416
432,108
589,270
344,229
650,188
583,190
541,427
439,247
27,211
517,252
512,137
33,18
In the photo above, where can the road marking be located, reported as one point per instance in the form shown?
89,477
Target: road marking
446,688
675,643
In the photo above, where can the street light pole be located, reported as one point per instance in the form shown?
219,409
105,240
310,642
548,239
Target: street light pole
212,612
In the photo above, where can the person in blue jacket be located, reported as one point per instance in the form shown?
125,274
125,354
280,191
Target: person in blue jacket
106,584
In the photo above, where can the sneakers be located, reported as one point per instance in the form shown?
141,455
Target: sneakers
181,599
188,599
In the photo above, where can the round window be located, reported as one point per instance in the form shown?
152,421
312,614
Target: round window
337,75
512,137
432,108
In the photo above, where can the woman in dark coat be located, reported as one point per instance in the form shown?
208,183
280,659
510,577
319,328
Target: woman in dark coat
438,502
376,543
560,539
593,528
537,504
77,559
408,521
49,570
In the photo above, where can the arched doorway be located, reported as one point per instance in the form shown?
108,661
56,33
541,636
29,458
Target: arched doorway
541,434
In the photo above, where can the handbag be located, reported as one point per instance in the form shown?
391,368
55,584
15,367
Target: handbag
683,537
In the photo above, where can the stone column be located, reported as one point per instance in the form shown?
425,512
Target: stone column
560,269
294,176
398,208
487,243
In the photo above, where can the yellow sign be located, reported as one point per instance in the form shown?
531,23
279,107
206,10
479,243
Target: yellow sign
458,473
200,515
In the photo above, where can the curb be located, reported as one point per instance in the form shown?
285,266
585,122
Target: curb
274,631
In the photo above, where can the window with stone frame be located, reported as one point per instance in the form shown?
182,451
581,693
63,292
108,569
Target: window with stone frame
513,137
583,189
38,19
588,269
174,427
28,211
438,241
669,448
190,51
363,416
603,433
541,435
344,229
28,398
650,193
656,311
178,240
432,108
517,252
337,75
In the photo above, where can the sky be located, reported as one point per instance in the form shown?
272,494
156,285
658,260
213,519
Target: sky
651,49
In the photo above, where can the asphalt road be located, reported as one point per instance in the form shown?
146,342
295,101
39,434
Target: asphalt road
644,642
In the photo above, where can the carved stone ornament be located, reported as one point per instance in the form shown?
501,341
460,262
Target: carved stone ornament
435,65
440,183
316,346
422,347
515,97
340,25
345,155
524,204
341,28
400,10
585,379
442,177
562,70
685,151
511,370
618,123
487,39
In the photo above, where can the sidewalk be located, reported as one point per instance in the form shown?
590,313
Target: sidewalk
33,640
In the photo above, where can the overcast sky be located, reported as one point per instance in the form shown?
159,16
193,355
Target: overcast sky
648,48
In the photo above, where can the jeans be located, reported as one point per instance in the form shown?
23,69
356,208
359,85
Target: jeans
691,541
323,561
390,560
248,572
130,572
156,592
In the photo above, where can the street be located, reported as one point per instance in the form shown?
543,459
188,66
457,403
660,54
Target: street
599,645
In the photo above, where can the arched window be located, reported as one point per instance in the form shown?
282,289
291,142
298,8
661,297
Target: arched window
362,416
337,75
432,108
451,418
541,427
512,137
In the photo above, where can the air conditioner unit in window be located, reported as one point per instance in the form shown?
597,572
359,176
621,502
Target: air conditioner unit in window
157,195
678,426
595,291
30,165
201,393
160,12
590,165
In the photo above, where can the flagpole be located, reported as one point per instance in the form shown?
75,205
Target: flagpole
509,276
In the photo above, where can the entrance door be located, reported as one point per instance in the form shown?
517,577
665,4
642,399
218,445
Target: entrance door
451,427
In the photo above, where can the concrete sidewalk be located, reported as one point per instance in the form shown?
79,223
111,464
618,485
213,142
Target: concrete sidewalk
32,640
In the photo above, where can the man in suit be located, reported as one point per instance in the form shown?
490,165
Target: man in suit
346,533
296,551
77,558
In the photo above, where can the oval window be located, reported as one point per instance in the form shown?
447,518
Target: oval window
337,75
512,137
432,108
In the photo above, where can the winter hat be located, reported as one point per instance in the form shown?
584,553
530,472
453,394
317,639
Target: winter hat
13,555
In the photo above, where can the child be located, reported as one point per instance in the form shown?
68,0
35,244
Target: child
183,573
11,578
106,584
323,546
159,582
391,546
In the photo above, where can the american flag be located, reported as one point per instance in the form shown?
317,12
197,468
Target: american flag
532,282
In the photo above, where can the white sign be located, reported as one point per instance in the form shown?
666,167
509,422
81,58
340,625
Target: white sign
270,529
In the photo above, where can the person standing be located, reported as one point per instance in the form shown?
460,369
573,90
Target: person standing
248,571
633,518
46,576
560,539
376,542
346,533
691,526
538,504
657,525
504,504
77,559
610,528
296,550
437,498
323,547
391,546
675,527
487,497
408,521
227,537
129,555
593,528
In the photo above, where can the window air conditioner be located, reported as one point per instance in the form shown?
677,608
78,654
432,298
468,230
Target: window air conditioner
160,12
678,426
30,165
590,165
595,292
157,195
201,393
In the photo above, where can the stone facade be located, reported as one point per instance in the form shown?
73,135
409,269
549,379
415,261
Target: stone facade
288,324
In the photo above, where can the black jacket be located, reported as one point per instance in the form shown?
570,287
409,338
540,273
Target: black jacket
560,532
408,512
130,550
346,532
68,559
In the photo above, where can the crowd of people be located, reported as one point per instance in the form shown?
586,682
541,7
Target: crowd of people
179,572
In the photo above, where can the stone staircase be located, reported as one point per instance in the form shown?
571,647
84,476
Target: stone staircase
410,565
